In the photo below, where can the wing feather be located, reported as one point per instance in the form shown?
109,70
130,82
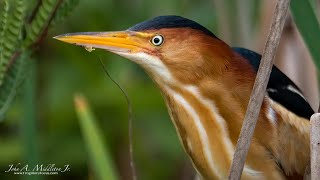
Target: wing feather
280,88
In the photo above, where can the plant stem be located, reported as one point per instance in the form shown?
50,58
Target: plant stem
29,122
259,90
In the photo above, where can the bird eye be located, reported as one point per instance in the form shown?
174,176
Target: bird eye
157,40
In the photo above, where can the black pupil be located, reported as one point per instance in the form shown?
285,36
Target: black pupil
156,40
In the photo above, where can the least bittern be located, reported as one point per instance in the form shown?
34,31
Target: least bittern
206,85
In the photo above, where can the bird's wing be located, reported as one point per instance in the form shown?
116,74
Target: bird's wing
280,88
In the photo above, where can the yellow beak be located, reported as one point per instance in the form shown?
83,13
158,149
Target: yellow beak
119,41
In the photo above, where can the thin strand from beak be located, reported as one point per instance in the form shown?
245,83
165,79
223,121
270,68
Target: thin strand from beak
130,120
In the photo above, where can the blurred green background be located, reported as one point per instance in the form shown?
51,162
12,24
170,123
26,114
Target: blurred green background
60,70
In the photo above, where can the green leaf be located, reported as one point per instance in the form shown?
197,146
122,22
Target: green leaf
12,44
11,35
3,23
66,7
29,122
12,82
308,25
99,156
41,20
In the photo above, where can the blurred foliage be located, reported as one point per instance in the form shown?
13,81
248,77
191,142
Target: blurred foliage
13,14
102,163
58,70
21,30
310,29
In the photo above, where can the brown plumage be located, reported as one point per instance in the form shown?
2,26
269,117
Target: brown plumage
207,86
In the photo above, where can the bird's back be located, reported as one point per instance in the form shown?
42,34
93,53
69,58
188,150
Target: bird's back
280,88
290,148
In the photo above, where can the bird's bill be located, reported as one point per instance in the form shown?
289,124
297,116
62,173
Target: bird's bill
120,41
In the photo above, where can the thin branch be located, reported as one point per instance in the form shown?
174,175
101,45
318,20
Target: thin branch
259,90
315,146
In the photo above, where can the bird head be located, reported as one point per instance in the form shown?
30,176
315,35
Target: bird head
172,49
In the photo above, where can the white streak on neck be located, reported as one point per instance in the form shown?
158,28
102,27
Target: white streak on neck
224,129
189,144
151,64
220,120
201,130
